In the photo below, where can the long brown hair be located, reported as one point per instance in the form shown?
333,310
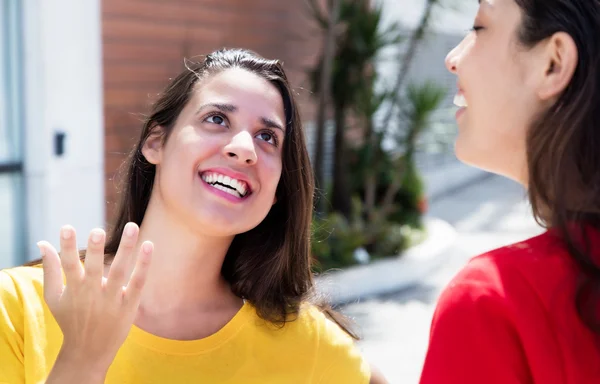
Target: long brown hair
270,265
563,145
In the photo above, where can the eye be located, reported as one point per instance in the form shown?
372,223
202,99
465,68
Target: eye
216,119
268,136
476,28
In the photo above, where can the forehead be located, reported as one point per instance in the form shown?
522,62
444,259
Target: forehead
497,5
503,15
237,82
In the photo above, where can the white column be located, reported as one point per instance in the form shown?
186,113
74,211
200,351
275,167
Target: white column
63,93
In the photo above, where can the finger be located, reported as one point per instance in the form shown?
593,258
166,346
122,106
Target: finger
69,256
133,292
53,280
94,257
125,257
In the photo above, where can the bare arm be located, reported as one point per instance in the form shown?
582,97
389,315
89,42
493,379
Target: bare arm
72,370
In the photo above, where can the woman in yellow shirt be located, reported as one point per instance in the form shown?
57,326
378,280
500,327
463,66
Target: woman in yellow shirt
205,277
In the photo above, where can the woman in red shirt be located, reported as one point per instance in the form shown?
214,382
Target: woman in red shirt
529,92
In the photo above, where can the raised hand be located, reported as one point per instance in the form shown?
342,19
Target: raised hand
95,313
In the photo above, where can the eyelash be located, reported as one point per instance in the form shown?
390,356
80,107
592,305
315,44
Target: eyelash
476,28
273,135
269,131
215,114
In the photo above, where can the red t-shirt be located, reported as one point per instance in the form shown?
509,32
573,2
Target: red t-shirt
509,317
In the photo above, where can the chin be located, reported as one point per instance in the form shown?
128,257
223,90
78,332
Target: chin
486,161
464,152
470,157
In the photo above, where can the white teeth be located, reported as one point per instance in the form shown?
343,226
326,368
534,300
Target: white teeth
239,187
228,190
460,101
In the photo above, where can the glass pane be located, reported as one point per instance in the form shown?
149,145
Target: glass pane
12,230
10,113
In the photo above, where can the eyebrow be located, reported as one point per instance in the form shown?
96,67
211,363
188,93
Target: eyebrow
220,106
269,123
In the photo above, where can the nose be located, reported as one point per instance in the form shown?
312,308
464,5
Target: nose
241,149
452,59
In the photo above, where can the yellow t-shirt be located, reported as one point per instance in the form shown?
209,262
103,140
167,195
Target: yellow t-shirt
311,349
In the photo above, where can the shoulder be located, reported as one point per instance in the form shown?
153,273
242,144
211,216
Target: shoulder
321,348
22,278
530,262
338,357
504,308
534,270
18,285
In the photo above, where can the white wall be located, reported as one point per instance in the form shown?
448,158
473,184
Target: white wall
449,23
451,16
63,92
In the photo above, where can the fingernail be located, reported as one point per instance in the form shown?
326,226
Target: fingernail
96,236
147,247
129,230
42,249
66,233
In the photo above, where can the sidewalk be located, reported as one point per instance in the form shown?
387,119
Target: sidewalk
389,275
399,273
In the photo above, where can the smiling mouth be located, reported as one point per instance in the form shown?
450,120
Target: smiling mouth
234,187
460,101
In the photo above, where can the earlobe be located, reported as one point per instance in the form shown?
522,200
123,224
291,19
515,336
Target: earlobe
563,57
152,147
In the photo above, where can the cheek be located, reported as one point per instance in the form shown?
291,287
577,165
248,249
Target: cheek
271,172
196,148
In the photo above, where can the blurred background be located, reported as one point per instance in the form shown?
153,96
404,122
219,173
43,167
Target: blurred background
396,214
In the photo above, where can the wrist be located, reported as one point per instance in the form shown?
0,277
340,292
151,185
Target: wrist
78,367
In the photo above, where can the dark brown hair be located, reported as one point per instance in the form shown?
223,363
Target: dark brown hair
270,265
563,145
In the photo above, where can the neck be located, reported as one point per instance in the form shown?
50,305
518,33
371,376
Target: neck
185,272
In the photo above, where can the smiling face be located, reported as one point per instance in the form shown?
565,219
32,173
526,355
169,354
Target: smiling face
220,167
498,83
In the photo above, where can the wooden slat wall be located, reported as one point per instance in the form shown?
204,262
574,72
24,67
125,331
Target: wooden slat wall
144,42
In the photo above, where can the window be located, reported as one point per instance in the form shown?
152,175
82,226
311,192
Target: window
12,212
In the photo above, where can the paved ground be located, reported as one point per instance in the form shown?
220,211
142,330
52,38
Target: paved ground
395,327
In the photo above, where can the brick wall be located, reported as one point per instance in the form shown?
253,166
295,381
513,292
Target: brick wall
144,42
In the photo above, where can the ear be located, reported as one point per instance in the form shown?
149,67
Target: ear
152,148
561,61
